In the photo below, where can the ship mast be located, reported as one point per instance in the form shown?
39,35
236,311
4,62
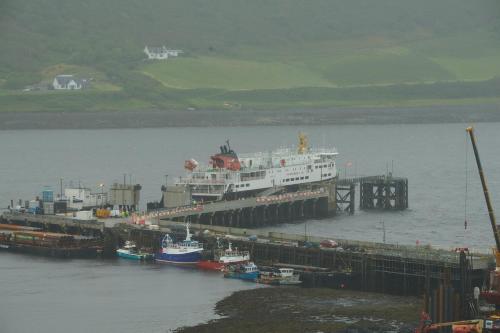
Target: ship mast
303,144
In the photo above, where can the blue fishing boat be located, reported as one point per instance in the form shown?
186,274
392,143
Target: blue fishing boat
187,251
129,251
248,271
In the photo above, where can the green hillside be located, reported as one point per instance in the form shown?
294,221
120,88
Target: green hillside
236,50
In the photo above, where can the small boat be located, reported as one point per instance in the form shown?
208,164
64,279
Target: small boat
248,271
186,252
280,276
129,251
225,258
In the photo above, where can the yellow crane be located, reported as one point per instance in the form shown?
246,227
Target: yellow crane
492,295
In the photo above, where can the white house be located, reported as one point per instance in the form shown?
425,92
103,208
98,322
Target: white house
160,53
68,82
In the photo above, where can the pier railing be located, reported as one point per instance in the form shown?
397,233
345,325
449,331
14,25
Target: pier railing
360,179
412,252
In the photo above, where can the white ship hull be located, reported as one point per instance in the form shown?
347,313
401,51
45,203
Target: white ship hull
254,173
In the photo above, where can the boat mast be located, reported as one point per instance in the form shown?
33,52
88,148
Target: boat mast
188,234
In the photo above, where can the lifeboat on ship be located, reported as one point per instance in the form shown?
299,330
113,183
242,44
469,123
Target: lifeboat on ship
190,164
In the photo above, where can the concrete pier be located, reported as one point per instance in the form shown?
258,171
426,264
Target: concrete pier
256,211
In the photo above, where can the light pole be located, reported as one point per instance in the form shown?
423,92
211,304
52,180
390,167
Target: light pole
102,194
383,231
305,231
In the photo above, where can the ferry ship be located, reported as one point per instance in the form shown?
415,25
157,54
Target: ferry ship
186,252
231,176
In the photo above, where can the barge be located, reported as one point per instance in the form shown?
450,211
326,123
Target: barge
24,240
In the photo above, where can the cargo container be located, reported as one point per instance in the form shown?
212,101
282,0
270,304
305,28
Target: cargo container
48,208
115,213
102,213
60,206
84,215
35,210
34,204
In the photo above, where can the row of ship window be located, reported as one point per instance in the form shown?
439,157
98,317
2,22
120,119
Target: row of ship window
242,185
296,178
323,166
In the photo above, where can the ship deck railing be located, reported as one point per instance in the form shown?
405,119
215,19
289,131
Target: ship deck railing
244,179
213,192
289,151
200,181
197,181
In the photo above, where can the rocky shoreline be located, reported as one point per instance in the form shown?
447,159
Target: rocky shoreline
296,309
10,120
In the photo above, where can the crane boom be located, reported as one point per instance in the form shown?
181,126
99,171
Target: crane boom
470,130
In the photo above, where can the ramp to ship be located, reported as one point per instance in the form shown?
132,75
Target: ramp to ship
251,211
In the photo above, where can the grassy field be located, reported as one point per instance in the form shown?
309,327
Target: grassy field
471,69
233,74
241,54
401,95
338,64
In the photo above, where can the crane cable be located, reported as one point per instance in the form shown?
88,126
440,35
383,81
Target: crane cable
466,179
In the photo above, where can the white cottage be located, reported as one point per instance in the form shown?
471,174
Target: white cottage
160,53
68,82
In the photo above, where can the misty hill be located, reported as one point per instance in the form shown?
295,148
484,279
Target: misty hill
234,45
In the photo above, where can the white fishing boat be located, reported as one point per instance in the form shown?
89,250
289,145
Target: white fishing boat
279,276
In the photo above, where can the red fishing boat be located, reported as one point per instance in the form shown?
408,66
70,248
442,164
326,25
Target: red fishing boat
225,258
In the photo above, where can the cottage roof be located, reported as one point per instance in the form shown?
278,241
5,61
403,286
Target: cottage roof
64,79
157,49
